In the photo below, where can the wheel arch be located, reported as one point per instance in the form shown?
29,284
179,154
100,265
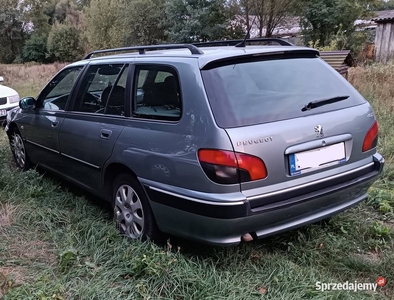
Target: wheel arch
110,173
11,128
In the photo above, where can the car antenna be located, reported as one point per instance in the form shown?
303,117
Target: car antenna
243,43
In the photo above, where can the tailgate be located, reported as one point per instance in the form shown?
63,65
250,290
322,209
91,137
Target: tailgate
301,150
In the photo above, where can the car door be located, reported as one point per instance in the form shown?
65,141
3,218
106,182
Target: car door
93,123
40,127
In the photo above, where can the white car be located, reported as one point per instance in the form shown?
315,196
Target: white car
9,99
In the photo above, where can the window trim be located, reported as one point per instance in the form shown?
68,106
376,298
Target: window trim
223,122
133,91
77,86
112,89
40,102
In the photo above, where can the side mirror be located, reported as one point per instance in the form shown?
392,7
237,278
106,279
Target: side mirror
1,79
27,102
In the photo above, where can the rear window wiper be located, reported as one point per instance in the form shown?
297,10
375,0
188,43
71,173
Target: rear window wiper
321,102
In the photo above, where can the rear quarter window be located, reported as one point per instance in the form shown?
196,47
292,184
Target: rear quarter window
243,93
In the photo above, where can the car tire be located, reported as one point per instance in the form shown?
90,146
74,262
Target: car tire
19,152
132,213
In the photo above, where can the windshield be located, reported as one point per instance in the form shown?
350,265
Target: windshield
248,93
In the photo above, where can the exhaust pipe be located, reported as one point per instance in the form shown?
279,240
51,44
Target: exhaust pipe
247,237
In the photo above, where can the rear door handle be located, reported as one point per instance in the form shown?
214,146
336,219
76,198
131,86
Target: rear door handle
105,134
55,124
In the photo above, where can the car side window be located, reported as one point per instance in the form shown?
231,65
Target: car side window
156,93
55,95
115,103
99,83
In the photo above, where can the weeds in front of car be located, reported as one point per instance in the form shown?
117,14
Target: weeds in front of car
57,242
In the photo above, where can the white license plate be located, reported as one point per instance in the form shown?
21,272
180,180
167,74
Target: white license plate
3,112
310,160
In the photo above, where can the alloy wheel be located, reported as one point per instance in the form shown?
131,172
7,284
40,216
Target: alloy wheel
129,212
19,150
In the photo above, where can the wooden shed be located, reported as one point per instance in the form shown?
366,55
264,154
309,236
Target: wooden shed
339,60
384,40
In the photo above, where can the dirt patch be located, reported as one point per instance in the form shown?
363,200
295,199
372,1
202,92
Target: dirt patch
389,224
370,257
21,257
31,251
16,274
26,247
11,277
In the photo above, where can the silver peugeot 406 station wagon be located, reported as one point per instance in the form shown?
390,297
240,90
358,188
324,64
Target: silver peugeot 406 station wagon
216,142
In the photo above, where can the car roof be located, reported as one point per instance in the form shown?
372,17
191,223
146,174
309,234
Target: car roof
207,55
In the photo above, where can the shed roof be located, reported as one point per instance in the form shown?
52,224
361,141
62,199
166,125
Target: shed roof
385,17
338,59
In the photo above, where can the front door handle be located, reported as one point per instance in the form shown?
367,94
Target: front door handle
105,134
55,124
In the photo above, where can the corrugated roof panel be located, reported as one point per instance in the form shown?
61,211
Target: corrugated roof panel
335,59
387,17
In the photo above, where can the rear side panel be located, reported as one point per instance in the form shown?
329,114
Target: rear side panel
163,154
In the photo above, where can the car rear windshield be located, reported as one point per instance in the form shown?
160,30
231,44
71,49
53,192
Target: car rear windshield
243,93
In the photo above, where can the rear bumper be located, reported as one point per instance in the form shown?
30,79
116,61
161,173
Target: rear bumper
224,223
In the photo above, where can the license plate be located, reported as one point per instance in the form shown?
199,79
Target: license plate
310,160
3,112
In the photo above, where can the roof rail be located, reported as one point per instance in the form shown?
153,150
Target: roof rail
235,42
141,49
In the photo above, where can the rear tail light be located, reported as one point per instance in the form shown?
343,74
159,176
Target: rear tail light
228,167
371,139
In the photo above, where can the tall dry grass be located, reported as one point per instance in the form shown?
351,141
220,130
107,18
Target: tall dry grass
28,79
376,84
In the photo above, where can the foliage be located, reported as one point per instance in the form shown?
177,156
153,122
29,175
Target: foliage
269,14
355,41
105,24
196,20
11,31
322,19
26,25
38,15
146,22
44,17
35,48
64,44
384,5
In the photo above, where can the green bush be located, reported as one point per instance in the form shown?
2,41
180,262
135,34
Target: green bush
63,43
35,49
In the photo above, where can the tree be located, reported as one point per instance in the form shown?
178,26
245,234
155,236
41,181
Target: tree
384,5
11,31
105,24
196,20
68,11
64,43
322,19
39,15
266,15
35,49
146,22
271,13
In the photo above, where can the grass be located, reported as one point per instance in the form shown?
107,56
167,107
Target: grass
59,243
28,79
